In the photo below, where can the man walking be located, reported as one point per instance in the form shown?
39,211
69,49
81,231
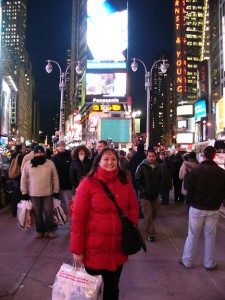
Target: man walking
62,161
205,193
147,179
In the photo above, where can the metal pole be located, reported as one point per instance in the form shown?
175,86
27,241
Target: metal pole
61,87
147,85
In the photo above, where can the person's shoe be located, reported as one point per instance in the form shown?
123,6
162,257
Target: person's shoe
39,235
180,261
151,239
51,235
210,269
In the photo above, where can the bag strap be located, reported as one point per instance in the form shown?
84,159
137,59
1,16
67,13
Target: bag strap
111,196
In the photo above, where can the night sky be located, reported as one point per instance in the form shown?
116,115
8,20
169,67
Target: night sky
49,37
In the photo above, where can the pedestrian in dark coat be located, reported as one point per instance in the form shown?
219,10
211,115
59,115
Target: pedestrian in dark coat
81,164
177,183
16,194
166,184
62,161
134,162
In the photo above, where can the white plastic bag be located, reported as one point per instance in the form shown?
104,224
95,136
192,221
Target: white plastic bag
73,283
24,214
60,217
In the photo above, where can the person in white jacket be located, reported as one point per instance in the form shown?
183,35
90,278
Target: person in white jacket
40,183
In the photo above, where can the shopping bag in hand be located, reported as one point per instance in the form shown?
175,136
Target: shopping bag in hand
76,283
60,217
24,214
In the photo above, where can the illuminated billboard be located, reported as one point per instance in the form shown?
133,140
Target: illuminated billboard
185,138
106,84
118,130
107,34
185,110
200,110
182,124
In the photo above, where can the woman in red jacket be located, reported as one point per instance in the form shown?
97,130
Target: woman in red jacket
96,235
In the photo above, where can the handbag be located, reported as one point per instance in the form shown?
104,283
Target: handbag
59,215
25,214
132,240
75,283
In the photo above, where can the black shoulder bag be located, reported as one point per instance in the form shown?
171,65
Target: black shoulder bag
132,240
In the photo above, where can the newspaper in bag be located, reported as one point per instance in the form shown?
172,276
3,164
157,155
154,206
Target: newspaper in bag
76,284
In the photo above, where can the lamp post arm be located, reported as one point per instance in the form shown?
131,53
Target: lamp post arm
53,61
142,64
72,63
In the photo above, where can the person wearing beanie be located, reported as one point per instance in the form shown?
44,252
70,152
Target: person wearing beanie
62,161
40,182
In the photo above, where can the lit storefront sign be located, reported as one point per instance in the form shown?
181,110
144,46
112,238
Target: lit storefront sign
220,115
180,51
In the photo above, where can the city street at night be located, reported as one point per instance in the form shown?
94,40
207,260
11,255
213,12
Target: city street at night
29,265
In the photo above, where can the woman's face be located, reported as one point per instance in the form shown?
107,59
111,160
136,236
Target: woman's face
81,152
108,161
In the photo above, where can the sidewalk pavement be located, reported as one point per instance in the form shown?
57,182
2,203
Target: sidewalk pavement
28,265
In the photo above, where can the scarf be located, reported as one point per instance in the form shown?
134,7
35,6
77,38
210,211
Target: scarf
38,160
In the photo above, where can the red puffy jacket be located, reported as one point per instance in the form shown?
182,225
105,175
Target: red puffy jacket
96,227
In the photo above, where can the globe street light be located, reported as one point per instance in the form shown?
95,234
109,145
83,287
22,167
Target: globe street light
148,87
62,86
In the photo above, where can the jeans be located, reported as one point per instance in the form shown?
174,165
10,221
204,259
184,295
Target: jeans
65,196
111,282
199,220
43,212
150,211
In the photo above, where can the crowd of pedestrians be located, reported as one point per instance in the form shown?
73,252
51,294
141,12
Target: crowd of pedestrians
141,181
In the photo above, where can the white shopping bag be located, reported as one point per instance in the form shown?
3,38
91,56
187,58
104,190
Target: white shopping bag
60,217
73,283
24,214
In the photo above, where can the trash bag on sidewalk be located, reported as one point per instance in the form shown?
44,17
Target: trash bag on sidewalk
72,283
25,214
59,215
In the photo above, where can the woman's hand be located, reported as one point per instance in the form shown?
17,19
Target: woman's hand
78,258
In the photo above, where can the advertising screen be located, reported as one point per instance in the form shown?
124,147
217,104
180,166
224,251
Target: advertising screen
200,110
106,84
118,130
185,110
182,124
185,138
107,33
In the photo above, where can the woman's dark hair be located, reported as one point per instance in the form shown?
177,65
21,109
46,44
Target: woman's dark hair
78,148
121,173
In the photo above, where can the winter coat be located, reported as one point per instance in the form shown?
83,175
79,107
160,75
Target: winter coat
78,170
147,180
186,166
96,225
177,165
39,181
62,161
167,170
206,186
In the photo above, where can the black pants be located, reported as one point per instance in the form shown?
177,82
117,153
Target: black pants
111,282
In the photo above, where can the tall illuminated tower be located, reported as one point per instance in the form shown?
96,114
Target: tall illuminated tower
14,28
191,45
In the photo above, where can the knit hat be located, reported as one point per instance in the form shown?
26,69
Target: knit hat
39,149
62,143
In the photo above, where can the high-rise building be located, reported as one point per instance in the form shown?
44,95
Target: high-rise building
191,45
14,28
21,121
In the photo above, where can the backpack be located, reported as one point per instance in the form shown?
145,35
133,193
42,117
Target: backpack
186,179
14,169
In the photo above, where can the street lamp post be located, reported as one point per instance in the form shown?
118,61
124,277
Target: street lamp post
62,86
148,87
